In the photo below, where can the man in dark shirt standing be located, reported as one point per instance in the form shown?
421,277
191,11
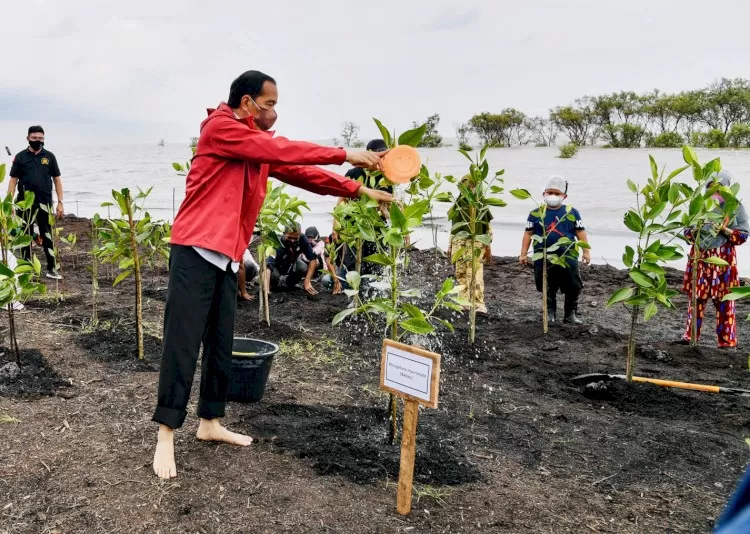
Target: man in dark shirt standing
35,169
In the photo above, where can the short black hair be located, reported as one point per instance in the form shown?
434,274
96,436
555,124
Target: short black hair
247,83
35,129
293,227
377,145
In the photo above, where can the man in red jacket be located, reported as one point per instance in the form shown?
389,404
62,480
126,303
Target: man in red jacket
225,189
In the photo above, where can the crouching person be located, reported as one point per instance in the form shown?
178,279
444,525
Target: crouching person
288,268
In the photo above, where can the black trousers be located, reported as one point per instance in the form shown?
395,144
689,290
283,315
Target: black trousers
294,276
45,231
567,280
201,302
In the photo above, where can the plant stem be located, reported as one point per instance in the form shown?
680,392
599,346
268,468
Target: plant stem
694,291
630,365
358,261
545,290
94,277
11,319
137,274
392,406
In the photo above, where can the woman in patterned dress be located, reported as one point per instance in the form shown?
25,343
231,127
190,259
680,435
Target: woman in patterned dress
714,281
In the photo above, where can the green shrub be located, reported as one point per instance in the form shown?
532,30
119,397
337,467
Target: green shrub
665,140
568,151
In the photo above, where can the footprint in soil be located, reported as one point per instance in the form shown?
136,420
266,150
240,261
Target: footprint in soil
350,441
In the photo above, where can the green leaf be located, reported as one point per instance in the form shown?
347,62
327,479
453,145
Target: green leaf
654,168
713,260
650,311
521,194
491,201
737,293
412,137
384,133
676,172
417,326
177,167
652,268
688,154
633,221
642,279
484,239
410,293
627,258
397,217
6,271
343,314
379,259
445,324
620,295
122,276
412,311
632,186
638,300
353,279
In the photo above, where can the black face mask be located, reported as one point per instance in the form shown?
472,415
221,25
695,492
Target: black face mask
36,145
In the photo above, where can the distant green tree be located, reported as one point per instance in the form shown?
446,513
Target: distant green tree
431,139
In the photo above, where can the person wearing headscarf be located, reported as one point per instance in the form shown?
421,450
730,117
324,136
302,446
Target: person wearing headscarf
715,281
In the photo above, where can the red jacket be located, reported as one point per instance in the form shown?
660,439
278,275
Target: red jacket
226,184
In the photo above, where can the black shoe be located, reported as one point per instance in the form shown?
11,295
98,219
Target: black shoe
572,319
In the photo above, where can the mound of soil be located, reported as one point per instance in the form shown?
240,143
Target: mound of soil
37,378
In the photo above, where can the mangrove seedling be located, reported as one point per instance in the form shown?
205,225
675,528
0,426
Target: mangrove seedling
470,218
702,220
398,315
17,283
560,253
121,242
280,209
655,220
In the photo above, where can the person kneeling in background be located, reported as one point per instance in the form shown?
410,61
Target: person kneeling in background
288,268
557,225
324,262
248,270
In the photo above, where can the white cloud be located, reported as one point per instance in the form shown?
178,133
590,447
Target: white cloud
142,70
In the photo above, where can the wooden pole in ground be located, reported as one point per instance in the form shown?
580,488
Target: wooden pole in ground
408,452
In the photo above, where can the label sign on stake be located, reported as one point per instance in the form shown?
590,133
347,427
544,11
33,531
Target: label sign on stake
413,374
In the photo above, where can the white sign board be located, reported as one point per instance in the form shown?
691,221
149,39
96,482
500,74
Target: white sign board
410,372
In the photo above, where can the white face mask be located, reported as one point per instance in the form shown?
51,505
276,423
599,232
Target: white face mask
553,201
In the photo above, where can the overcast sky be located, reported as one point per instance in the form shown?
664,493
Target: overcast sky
137,71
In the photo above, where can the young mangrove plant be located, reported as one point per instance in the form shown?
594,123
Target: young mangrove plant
471,230
17,276
561,253
280,209
655,220
121,243
397,315
702,220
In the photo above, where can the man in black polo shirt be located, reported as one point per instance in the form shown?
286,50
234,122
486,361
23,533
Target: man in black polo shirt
34,169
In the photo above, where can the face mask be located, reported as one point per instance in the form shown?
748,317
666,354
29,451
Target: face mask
553,201
36,145
717,197
266,119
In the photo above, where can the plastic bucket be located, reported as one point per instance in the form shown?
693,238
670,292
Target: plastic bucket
251,365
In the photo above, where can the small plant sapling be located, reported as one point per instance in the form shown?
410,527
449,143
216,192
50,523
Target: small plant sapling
279,210
17,283
655,220
121,242
398,315
560,253
470,217
702,220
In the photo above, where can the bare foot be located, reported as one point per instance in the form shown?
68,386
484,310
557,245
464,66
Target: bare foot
211,430
164,465
246,296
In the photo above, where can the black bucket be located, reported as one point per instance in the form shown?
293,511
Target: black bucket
251,365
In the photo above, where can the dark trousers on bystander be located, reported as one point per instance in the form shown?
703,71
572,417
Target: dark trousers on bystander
41,216
201,303
567,280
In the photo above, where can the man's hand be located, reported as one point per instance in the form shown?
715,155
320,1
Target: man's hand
365,159
309,288
586,256
337,287
523,259
376,194
59,211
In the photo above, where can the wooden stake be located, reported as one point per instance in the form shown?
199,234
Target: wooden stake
408,452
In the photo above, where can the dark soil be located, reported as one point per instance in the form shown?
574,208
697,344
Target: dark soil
515,445
36,378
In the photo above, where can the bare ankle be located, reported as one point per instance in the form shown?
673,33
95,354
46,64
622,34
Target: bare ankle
165,433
